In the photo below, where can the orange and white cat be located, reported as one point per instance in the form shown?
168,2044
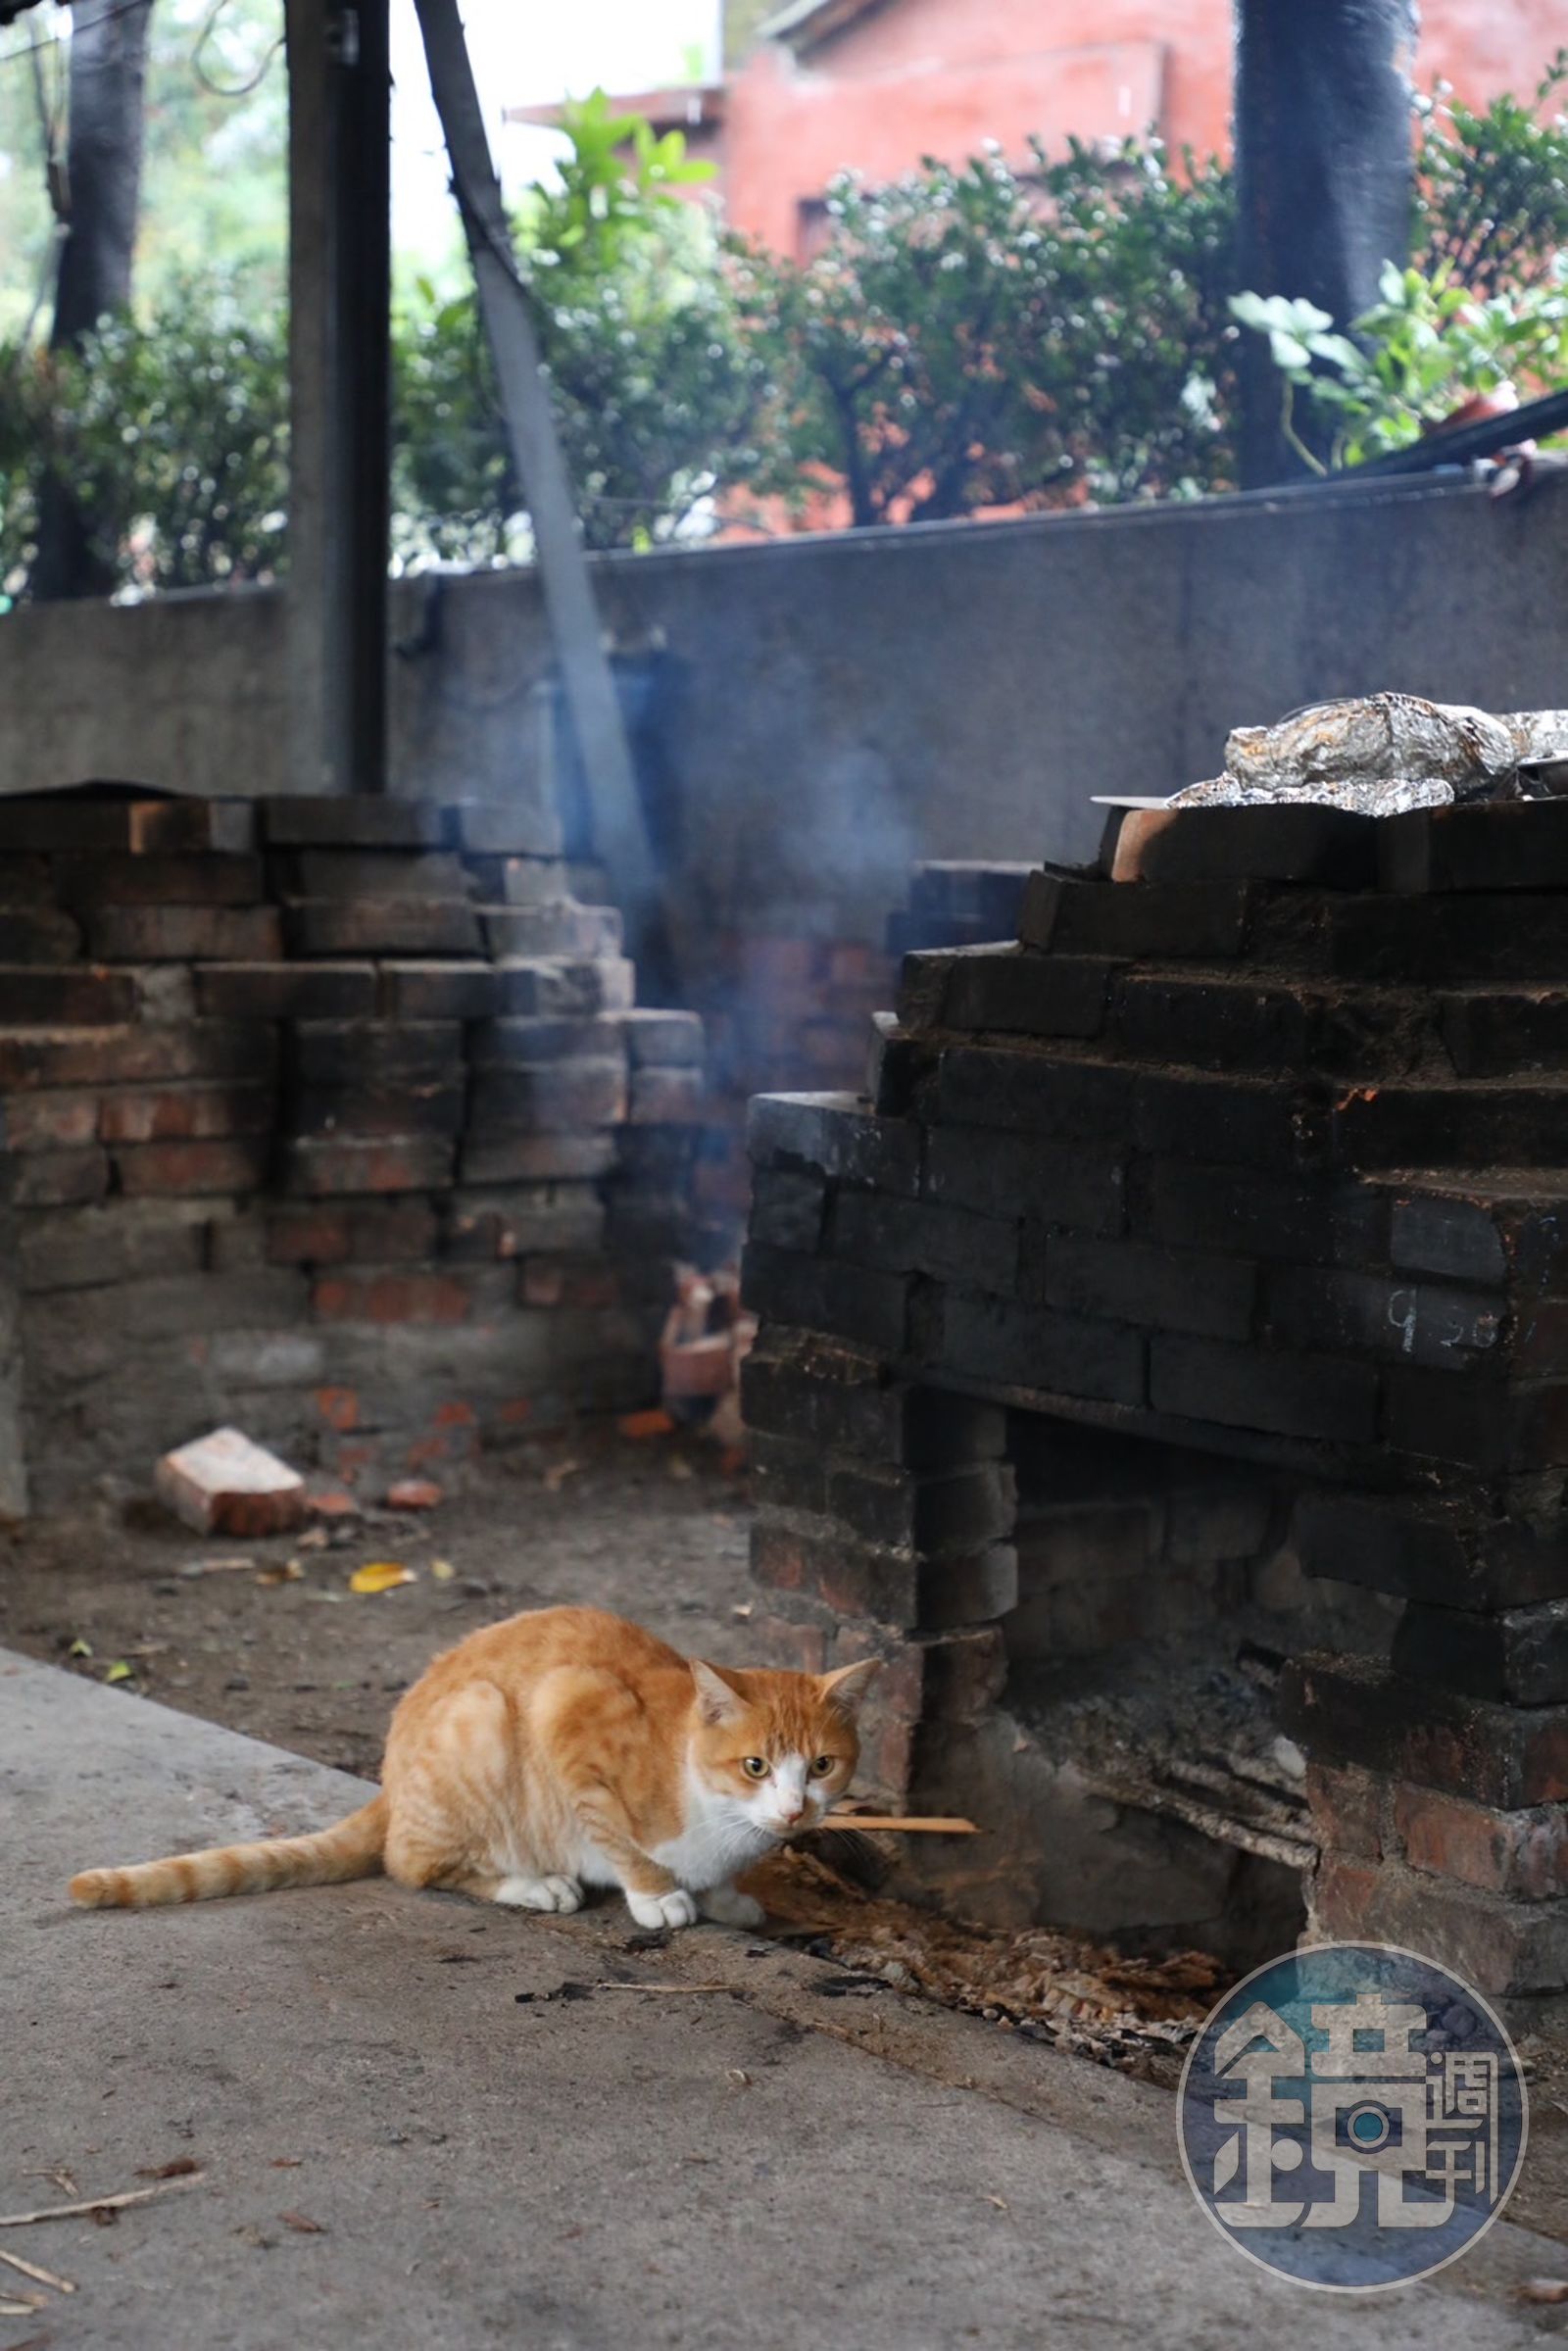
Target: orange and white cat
561,1749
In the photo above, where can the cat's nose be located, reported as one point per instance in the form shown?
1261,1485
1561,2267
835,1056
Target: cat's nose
789,1815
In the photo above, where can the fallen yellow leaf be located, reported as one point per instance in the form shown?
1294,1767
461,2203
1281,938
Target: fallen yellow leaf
120,1671
381,1575
442,1570
290,1572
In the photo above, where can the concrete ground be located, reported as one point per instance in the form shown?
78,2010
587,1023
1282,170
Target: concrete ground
394,2149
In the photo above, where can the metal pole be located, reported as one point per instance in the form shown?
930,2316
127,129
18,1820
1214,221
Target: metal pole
621,834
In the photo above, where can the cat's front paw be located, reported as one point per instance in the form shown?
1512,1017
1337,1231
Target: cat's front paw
539,1893
731,1908
674,1909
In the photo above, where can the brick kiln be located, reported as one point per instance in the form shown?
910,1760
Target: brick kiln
1166,1368
334,1118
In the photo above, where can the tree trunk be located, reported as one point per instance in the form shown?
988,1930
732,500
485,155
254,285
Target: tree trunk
103,164
1323,177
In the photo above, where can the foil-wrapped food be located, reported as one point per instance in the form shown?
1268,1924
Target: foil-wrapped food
1379,755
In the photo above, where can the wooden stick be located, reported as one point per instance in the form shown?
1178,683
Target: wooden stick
72,2212
921,1825
686,1987
36,2269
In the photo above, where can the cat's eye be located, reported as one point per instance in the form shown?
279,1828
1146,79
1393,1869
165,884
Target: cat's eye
821,1765
755,1767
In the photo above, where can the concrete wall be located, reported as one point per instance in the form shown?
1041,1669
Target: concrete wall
851,704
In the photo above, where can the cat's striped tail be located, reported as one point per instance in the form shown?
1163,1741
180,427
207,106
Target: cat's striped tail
350,1849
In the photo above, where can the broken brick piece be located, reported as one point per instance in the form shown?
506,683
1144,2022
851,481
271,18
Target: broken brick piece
223,1484
414,1493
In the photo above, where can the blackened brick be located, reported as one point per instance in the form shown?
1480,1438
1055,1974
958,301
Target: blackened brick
788,1208
1489,845
963,1510
1181,920
75,820
1005,1176
923,978
585,932
1038,1094
38,998
1451,1126
1313,1223
1215,1024
535,1158
1139,1282
1519,1655
1347,1710
1417,1322
817,1293
376,874
545,986
1491,1034
61,1179
833,1399
1003,1341
1278,844
352,821
1014,991
343,1165
1435,1550
372,926
506,1044
276,991
204,1048
183,933
376,1108
549,1095
1476,1424
513,827
379,1053
120,879
814,1561
664,1040
923,1237
1446,1235
665,1097
86,1249
37,935
455,991
1450,942
1247,1387
834,1132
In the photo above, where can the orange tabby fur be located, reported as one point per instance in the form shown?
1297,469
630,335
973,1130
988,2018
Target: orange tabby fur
564,1746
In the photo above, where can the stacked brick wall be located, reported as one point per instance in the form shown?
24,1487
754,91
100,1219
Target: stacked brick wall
1261,1157
336,1118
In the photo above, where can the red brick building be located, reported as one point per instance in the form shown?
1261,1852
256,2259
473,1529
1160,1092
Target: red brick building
876,85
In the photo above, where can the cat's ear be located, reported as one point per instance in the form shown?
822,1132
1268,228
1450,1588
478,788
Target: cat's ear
718,1699
845,1689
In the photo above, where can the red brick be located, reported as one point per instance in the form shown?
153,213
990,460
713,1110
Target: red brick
1348,1809
339,1407
414,1493
61,1179
780,1641
237,1165
42,1122
185,1114
184,934
1522,1854
569,1282
390,1298
308,1237
223,1484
